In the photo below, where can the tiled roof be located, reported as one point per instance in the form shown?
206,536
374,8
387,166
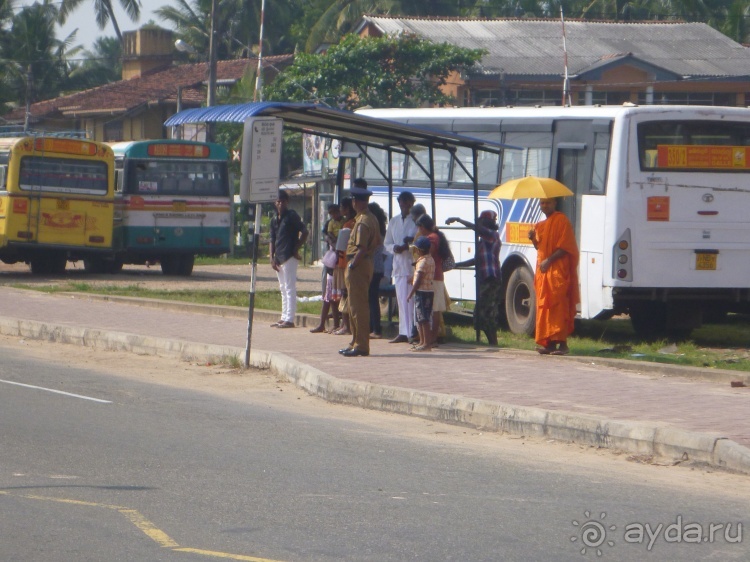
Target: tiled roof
149,89
535,47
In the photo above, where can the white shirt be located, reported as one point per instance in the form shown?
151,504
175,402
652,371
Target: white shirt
398,229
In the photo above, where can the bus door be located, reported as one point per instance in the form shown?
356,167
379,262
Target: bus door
579,158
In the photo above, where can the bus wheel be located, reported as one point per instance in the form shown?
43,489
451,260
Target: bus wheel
520,302
170,265
93,265
186,264
40,265
649,320
113,267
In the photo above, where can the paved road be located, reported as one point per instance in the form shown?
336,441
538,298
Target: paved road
524,380
108,467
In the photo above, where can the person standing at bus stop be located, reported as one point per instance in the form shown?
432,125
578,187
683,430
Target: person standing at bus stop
398,236
489,276
556,279
288,235
364,239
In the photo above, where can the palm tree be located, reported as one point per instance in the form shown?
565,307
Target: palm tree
34,62
103,12
237,26
100,66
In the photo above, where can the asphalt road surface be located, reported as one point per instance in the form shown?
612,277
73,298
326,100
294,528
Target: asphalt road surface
110,456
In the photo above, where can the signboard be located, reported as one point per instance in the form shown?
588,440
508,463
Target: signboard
707,157
261,159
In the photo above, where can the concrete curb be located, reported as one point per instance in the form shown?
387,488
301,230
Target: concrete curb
304,320
634,437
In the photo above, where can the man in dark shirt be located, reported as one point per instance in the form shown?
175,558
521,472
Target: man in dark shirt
288,235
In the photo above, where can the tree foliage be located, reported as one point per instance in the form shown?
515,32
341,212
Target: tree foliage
103,12
385,71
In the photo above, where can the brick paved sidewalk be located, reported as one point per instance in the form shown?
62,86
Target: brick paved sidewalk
552,383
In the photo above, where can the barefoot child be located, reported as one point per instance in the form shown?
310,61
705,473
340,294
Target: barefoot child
422,291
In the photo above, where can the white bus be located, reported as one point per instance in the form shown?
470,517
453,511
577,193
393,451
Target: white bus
661,208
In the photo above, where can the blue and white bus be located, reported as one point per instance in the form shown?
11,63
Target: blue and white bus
660,208
173,202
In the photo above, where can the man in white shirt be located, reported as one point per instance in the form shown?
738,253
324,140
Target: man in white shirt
398,236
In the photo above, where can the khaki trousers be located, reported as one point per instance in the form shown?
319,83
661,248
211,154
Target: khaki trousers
358,287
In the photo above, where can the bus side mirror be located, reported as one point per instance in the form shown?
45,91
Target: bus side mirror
3,174
118,181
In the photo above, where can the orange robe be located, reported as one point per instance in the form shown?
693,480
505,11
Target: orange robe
557,291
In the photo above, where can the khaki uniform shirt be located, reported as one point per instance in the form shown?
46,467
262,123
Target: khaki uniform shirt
365,234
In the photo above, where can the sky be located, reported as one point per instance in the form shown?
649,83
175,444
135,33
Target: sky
88,32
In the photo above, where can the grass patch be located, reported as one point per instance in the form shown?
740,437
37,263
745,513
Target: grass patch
265,300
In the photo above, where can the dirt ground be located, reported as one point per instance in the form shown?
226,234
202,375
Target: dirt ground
214,277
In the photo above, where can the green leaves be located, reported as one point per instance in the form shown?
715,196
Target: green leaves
386,71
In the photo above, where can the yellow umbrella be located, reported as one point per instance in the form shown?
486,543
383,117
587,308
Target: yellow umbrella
530,187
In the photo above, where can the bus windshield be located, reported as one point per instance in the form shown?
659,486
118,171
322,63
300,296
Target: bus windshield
694,146
180,178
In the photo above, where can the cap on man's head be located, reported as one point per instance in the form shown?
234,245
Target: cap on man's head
359,190
423,243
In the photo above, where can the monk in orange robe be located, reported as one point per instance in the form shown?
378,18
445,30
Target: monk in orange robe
556,279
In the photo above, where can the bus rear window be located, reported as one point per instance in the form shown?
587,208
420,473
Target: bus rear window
177,177
694,146
63,175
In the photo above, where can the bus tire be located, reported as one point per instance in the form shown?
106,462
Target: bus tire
649,320
113,267
520,302
185,268
170,265
93,265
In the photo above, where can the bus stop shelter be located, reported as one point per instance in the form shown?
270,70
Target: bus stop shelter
355,131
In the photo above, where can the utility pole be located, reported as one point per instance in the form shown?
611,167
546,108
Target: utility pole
212,54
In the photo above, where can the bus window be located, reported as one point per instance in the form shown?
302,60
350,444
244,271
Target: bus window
76,175
442,162
535,160
601,156
487,166
652,135
380,157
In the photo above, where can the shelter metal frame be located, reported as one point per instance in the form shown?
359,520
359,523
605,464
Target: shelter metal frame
361,131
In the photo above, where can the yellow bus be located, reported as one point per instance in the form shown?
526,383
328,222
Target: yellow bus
56,201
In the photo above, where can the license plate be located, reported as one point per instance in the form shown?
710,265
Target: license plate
705,262
63,205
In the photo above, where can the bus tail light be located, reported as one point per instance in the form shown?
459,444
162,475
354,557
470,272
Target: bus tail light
96,239
25,235
144,240
213,241
623,259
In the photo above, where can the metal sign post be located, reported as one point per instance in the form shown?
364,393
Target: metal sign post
261,163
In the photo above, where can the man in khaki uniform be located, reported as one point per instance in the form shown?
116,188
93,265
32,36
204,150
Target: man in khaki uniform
363,241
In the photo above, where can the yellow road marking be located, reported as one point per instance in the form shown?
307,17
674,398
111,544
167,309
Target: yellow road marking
224,555
156,535
146,526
